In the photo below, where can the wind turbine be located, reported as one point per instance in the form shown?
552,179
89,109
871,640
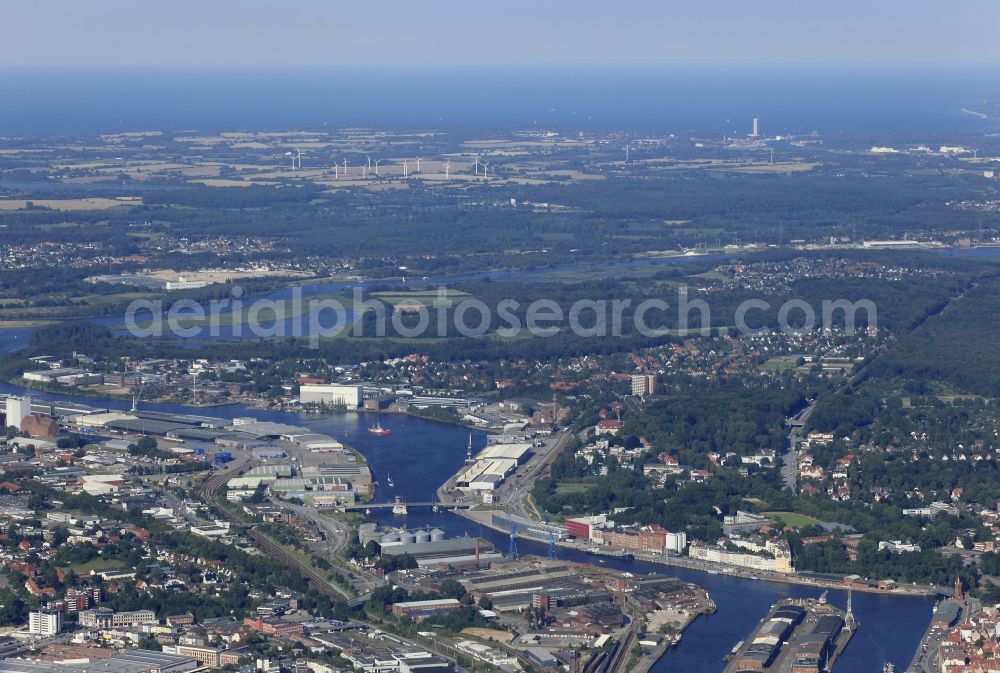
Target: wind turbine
447,167
345,168
405,167
626,153
336,171
369,163
486,165
289,154
418,164
377,162
771,162
299,154
476,166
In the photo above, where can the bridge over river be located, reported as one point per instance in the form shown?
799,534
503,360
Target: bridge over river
360,507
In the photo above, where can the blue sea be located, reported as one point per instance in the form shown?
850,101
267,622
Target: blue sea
713,100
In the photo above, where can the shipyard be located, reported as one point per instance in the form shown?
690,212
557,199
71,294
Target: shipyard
797,636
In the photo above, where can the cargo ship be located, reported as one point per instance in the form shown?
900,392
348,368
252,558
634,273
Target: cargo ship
613,553
798,636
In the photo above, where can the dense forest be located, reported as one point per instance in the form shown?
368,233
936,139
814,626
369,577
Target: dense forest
726,416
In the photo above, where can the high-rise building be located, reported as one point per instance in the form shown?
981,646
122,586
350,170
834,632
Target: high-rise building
45,623
80,599
756,127
643,385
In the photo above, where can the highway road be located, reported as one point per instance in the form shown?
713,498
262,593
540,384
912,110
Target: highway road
790,460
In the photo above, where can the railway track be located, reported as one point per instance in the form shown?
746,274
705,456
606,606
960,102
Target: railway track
209,491
620,656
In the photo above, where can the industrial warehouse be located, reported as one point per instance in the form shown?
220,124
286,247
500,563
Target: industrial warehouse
519,526
513,588
329,473
132,661
431,547
797,636
490,467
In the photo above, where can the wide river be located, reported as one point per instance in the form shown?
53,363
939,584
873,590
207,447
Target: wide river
420,455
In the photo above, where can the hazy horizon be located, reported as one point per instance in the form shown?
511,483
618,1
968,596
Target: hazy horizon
523,32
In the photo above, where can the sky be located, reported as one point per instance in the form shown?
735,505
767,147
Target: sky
469,32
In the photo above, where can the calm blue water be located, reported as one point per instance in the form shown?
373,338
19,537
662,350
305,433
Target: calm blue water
992,254
706,98
421,454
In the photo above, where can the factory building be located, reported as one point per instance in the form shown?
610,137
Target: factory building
421,610
100,420
333,394
130,661
529,528
430,548
516,588
314,442
39,425
491,466
814,651
52,375
315,491
768,639
262,474
350,471
18,408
